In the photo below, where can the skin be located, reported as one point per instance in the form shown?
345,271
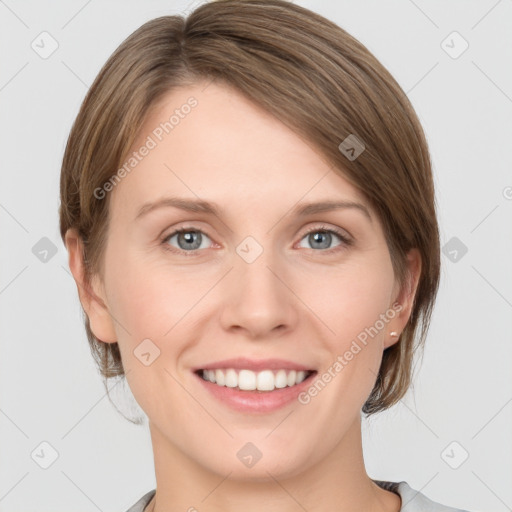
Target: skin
214,305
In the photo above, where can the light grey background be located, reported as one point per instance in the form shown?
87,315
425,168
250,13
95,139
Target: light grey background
50,390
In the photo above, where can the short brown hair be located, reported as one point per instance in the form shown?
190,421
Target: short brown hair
311,75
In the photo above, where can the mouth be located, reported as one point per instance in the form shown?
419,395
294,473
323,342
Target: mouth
263,381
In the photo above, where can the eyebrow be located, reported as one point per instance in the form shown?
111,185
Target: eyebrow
201,206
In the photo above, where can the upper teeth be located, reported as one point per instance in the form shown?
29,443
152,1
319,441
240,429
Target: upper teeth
248,380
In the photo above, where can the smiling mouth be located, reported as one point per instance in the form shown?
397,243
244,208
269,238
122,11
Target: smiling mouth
248,380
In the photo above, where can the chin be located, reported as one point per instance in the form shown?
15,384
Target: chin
278,466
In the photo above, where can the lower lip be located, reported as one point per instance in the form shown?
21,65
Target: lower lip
256,401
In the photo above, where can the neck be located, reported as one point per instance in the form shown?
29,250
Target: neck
338,482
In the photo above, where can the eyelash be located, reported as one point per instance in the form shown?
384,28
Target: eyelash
345,241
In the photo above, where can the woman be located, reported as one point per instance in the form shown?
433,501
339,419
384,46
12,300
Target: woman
248,205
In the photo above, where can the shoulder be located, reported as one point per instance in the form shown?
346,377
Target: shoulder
415,501
412,500
141,504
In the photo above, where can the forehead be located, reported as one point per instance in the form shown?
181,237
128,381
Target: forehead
208,140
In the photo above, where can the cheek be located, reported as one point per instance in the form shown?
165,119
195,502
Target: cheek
349,299
155,301
361,322
151,297
153,305
351,303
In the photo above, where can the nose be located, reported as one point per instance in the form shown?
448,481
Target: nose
258,299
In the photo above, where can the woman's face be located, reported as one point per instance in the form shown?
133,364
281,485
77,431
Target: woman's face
247,282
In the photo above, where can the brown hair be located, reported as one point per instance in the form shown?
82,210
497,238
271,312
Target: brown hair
310,74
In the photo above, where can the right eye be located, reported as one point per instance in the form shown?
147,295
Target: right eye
189,240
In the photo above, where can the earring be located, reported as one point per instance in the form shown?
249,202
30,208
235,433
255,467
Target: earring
394,334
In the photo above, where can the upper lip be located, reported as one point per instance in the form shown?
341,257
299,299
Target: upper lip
254,365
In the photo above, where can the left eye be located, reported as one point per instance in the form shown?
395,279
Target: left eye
322,237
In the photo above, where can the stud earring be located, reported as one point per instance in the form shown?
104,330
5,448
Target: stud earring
394,334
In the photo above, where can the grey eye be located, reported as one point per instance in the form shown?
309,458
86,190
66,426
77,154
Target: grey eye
188,239
321,239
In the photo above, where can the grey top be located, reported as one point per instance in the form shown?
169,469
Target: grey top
412,501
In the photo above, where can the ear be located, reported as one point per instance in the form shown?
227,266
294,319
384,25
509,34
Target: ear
405,297
92,296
